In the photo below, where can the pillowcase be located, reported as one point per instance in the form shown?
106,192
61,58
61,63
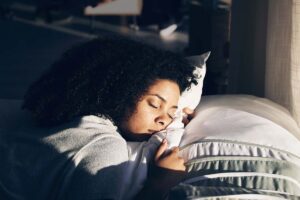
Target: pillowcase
189,98
208,118
240,146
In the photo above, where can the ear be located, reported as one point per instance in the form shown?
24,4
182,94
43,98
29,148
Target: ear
198,60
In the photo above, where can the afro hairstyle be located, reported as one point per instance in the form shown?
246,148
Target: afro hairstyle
104,77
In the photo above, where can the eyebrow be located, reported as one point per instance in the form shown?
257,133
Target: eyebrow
161,98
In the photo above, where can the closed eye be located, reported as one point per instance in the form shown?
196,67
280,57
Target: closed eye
172,113
171,116
154,106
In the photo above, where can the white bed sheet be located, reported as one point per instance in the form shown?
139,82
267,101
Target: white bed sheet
243,118
259,106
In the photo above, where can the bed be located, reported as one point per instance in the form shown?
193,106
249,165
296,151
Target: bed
237,146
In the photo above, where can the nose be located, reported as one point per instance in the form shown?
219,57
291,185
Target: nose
162,121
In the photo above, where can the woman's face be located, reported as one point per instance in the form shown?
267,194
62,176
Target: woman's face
155,109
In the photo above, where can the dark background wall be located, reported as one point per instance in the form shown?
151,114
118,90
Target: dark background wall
248,47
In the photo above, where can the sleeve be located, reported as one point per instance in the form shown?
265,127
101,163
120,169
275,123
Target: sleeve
160,181
99,170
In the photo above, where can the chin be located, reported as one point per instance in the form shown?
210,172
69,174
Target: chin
141,137
136,137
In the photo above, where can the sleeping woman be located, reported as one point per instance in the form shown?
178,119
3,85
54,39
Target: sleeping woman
96,97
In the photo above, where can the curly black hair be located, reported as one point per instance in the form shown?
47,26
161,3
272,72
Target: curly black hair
103,77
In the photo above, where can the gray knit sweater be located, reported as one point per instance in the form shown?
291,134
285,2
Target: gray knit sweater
84,159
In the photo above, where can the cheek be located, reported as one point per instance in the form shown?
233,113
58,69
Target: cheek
140,121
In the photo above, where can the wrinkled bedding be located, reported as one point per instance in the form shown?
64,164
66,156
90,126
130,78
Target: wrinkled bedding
240,147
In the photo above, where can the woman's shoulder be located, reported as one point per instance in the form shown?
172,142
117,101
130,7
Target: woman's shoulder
97,154
101,134
91,142
96,122
85,132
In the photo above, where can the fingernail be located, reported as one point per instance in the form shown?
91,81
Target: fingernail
164,141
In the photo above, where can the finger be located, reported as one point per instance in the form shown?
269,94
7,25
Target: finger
185,121
189,115
181,165
188,111
175,150
183,168
181,160
161,149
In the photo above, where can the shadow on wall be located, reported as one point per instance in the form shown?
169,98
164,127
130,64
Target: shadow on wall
26,53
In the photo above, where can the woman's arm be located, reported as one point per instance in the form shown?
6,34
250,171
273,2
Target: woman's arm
99,170
167,171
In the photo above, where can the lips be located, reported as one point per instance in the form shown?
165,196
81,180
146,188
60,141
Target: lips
153,131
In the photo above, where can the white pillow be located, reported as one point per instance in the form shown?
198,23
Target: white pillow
252,104
240,146
241,118
235,146
189,98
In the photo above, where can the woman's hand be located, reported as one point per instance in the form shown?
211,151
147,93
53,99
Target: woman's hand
189,115
168,171
171,161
